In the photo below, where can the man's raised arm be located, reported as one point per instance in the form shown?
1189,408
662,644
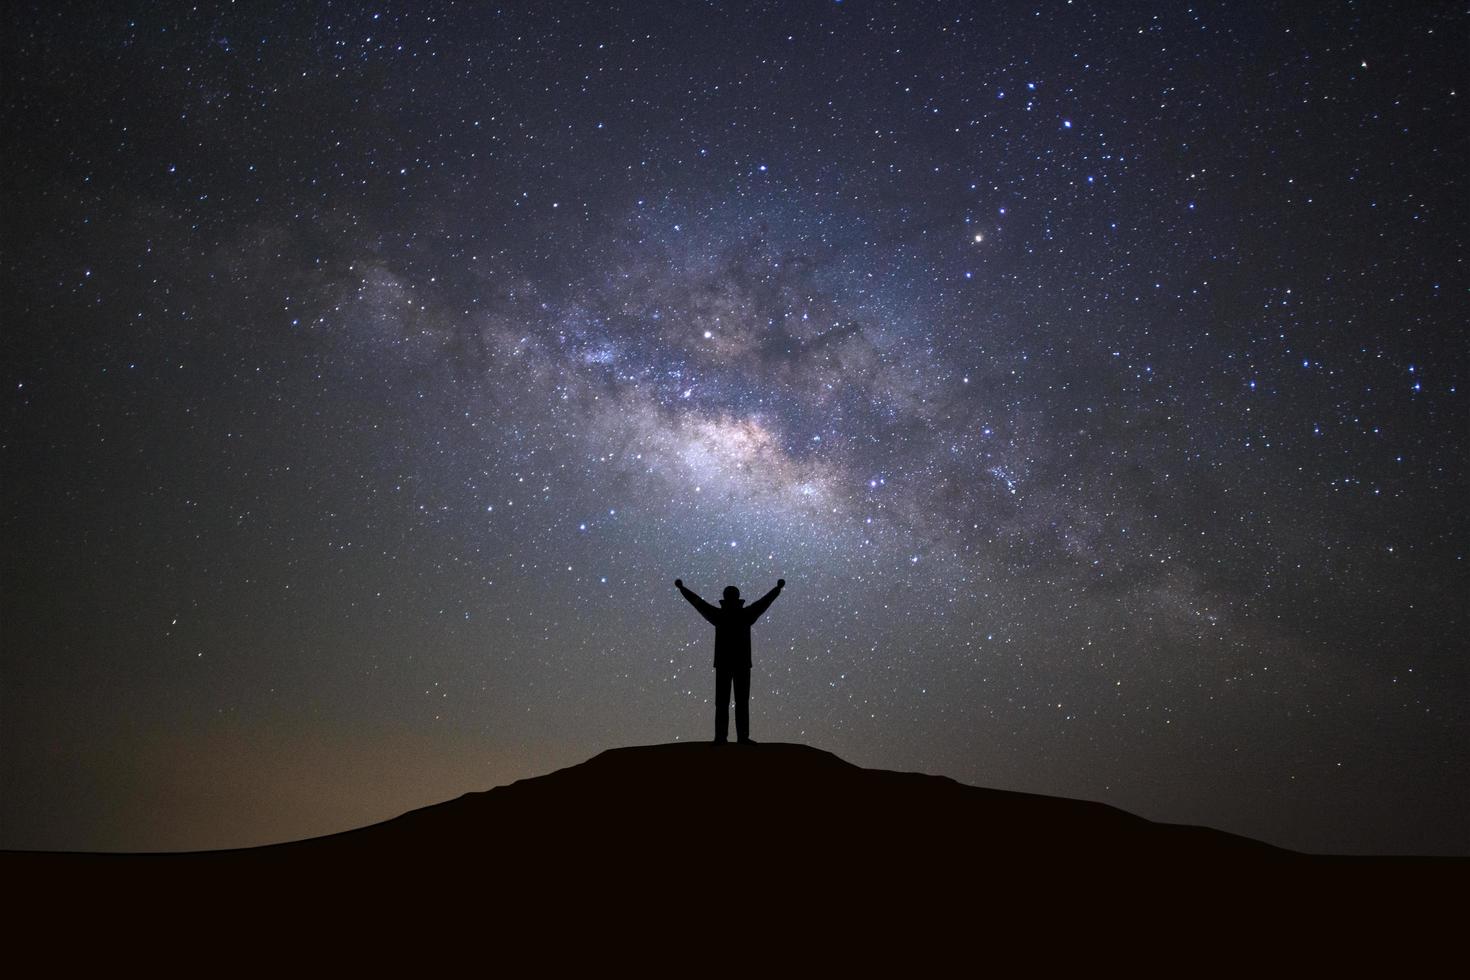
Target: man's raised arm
760,605
705,609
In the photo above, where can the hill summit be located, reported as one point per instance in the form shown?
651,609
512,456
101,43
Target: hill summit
785,802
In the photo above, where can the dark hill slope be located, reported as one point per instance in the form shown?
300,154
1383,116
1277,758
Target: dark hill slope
632,805
693,843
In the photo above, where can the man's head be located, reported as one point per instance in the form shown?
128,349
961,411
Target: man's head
732,597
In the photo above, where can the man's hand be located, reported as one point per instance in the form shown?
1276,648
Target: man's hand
780,583
678,583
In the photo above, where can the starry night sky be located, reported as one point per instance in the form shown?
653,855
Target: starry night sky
1094,374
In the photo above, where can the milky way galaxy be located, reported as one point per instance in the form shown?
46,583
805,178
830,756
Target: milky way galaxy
1092,374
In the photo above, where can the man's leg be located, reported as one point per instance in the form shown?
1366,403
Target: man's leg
742,703
722,704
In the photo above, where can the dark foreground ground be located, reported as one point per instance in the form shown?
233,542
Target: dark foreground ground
747,853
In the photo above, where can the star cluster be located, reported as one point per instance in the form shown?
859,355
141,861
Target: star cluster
1092,374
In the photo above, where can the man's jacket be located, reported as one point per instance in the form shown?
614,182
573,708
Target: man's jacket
732,626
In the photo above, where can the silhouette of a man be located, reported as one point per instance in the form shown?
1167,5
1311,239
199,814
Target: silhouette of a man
732,622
